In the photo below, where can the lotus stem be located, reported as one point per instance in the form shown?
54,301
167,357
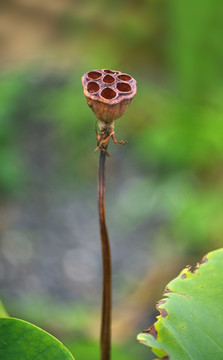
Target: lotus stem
106,263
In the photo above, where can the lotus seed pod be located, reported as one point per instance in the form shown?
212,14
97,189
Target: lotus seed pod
108,93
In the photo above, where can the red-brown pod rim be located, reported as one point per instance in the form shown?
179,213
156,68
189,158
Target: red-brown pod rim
124,87
107,71
108,79
108,93
125,77
92,87
94,75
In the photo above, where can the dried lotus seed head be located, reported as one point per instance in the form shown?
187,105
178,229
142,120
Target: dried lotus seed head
108,93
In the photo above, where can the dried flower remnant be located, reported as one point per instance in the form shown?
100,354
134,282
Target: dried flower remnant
108,94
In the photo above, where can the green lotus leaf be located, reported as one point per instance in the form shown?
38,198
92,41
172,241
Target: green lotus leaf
20,340
190,324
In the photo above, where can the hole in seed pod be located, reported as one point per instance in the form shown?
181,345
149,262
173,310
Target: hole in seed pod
108,79
108,93
124,87
109,71
94,75
92,87
124,77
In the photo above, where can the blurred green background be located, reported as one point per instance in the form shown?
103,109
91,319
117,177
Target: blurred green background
164,188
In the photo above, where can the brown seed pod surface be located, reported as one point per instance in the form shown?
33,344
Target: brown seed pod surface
108,92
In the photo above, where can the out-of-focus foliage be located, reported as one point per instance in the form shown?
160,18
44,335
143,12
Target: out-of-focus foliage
83,347
11,165
3,312
172,164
